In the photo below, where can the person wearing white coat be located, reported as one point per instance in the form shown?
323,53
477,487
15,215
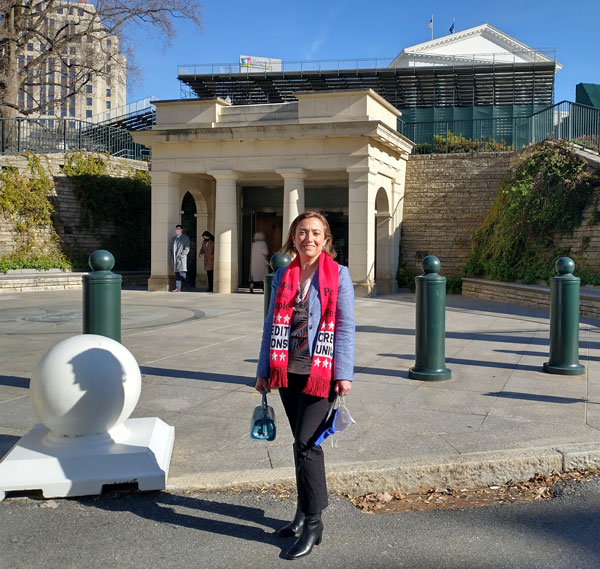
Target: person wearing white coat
259,264
178,252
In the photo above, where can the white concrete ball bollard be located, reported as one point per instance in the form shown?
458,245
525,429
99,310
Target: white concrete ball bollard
85,385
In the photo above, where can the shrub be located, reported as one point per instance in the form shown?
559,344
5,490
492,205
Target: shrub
539,201
457,143
25,260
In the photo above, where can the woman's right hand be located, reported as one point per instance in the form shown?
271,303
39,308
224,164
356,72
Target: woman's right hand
262,385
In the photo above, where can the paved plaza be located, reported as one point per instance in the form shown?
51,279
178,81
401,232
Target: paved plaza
499,417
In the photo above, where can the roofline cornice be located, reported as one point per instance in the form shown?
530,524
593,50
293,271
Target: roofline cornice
483,30
370,129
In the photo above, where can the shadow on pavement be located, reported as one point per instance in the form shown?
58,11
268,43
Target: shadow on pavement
197,375
536,397
525,338
6,443
460,361
194,513
399,373
14,381
545,354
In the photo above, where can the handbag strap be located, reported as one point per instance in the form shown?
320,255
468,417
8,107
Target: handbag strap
264,402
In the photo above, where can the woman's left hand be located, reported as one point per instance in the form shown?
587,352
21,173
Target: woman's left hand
342,387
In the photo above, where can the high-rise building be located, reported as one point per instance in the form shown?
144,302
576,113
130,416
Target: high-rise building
87,74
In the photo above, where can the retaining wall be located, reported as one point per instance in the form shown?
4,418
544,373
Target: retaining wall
447,197
527,295
31,280
76,237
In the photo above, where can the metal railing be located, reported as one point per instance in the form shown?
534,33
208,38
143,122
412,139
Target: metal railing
64,135
443,137
410,59
578,124
285,66
125,110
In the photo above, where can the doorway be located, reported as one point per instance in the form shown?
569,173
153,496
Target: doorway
269,223
188,221
384,263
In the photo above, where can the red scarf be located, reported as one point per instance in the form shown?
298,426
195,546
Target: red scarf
321,369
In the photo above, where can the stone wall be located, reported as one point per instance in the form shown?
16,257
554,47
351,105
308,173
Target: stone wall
584,244
447,197
513,293
75,236
27,280
527,295
11,239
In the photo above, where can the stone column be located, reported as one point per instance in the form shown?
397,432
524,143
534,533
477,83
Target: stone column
166,205
226,234
293,196
361,229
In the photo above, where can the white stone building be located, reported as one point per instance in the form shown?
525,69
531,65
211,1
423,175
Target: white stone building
480,45
337,152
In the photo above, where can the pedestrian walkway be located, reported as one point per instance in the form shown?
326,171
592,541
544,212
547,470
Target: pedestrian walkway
499,417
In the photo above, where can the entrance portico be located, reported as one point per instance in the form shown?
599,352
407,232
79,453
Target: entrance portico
281,158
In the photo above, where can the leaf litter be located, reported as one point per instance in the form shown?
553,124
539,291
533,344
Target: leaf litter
540,487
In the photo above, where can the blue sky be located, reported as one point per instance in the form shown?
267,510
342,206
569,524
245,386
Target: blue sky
351,29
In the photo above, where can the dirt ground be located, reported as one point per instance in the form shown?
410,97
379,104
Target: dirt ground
537,488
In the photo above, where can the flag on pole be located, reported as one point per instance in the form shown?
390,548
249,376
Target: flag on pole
430,25
452,27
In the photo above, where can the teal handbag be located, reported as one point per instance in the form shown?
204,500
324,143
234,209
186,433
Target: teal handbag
262,426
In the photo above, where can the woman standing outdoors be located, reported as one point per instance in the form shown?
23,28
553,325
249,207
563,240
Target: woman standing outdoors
307,351
208,252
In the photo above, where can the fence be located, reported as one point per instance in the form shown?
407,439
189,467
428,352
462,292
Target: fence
570,121
576,123
411,60
64,135
118,113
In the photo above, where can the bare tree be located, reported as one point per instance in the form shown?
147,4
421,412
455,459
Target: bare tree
50,50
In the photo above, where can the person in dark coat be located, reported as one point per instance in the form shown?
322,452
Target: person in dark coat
207,251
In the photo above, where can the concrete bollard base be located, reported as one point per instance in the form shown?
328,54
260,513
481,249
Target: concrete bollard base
137,451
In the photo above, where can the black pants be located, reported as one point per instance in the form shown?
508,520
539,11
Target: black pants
209,274
306,413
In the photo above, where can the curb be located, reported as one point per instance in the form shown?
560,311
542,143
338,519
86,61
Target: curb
472,470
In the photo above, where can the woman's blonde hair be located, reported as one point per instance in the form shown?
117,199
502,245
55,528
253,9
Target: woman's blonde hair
288,246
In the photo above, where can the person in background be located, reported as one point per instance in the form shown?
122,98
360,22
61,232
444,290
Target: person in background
259,264
180,247
207,251
307,351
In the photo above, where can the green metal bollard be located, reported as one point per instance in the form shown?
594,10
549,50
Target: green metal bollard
278,260
430,327
564,321
102,297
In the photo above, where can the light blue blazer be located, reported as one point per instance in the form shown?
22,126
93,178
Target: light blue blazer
343,341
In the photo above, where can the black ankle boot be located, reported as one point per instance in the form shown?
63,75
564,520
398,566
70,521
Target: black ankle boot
312,534
294,528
